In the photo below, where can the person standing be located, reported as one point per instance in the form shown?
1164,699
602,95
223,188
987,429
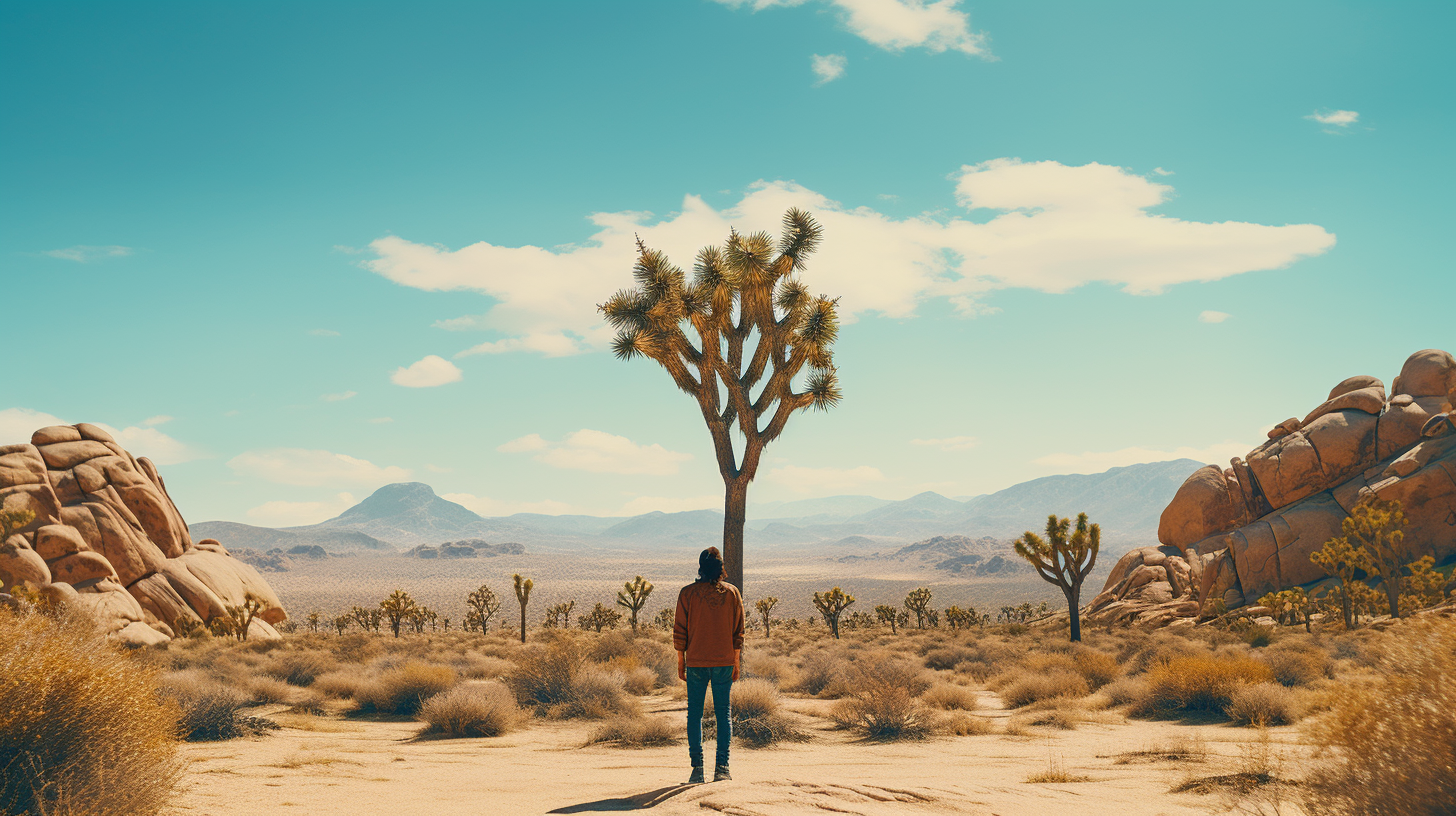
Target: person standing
707,632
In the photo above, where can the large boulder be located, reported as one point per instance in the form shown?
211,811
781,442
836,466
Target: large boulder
108,539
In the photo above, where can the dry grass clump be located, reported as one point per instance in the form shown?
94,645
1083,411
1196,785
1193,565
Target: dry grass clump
343,684
404,689
820,670
80,728
1391,746
1097,668
301,668
758,717
558,682
950,697
1125,690
948,657
640,680
1298,665
481,667
264,689
1056,772
1064,715
208,710
1038,687
660,658
476,710
962,724
772,668
636,732
1263,704
883,706
1199,683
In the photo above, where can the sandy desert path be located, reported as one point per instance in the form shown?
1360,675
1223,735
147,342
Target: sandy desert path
353,767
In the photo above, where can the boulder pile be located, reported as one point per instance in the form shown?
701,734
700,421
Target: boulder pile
107,538
1233,534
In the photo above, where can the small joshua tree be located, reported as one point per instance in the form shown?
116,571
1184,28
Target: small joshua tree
956,617
523,596
398,607
633,596
1064,560
665,619
242,615
601,617
765,606
1289,606
1342,561
887,614
558,616
831,604
314,620
187,626
221,626
1422,588
483,603
1374,526
341,623
918,602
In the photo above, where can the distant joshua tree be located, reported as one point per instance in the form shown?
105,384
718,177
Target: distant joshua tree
754,319
314,620
918,602
831,605
523,596
601,617
765,606
1374,526
1063,560
887,614
633,597
665,619
483,604
398,607
956,617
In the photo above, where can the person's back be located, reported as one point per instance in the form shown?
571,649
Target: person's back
708,635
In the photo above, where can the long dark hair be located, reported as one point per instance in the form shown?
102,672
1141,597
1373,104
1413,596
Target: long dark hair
710,567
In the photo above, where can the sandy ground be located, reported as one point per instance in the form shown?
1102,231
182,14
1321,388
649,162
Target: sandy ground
360,767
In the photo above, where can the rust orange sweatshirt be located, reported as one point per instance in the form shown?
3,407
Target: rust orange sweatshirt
709,623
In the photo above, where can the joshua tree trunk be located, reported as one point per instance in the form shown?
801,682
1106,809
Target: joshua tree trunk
1073,594
735,511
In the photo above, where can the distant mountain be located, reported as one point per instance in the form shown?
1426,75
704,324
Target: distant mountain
832,508
1124,500
232,535
407,513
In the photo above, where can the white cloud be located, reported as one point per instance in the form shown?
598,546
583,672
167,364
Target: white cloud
159,419
486,506
17,425
315,468
87,254
1060,227
1337,119
1160,171
894,25
829,67
339,397
1210,316
1098,461
950,443
647,504
426,373
298,514
826,480
324,332
599,452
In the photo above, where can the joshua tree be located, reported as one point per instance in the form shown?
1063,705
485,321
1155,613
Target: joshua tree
242,615
757,327
831,604
1374,526
956,617
918,601
221,626
765,608
483,603
1063,560
341,623
601,617
633,597
887,614
559,615
523,596
1342,560
187,626
1289,606
314,620
398,607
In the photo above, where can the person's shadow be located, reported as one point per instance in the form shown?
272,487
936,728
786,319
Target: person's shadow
640,801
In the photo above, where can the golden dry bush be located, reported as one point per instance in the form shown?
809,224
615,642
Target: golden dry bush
884,704
1297,665
558,681
301,668
950,697
404,689
1263,704
1200,683
1035,688
759,719
81,727
1389,748
962,724
1097,668
773,668
476,710
636,732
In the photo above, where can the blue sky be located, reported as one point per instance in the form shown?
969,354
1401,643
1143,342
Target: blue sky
297,251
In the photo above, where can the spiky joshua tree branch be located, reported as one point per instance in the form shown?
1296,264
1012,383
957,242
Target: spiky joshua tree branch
757,329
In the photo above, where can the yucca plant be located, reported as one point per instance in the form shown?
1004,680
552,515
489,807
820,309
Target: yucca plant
765,609
1063,560
398,607
633,596
757,329
918,602
831,605
523,596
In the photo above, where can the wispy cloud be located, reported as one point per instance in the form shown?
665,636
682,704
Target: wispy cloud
315,468
486,506
599,452
339,397
1335,119
159,419
1210,316
17,425
428,372
950,443
828,67
298,514
1160,171
87,254
1098,461
895,25
1058,227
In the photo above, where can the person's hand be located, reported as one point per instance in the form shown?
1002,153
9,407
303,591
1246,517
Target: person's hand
682,668
735,672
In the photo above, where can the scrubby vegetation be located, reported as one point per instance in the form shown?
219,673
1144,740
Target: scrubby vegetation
487,710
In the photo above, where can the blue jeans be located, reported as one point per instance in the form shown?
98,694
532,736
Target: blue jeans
698,679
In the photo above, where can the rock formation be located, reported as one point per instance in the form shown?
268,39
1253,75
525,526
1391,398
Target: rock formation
1236,533
107,538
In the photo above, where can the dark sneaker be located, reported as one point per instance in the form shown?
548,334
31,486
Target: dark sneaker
720,774
696,778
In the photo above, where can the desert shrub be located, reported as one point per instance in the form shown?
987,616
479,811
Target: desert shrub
818,670
1201,683
950,697
345,684
208,710
1097,668
404,689
1297,667
1257,635
947,658
482,667
301,668
1038,687
774,669
556,681
265,689
962,724
636,732
660,657
1263,704
640,680
759,719
1064,715
477,710
884,706
1126,690
81,730
1391,747
357,648
612,645
1140,655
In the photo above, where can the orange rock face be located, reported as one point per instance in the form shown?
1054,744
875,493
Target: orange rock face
1250,529
106,530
